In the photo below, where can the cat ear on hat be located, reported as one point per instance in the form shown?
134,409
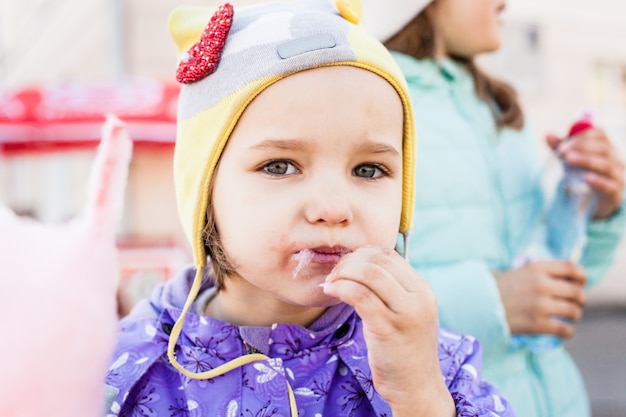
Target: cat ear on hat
351,10
200,44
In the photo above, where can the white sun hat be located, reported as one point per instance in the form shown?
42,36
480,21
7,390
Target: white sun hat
385,18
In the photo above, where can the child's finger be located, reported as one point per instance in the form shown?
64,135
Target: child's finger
107,182
558,328
560,268
366,302
590,142
376,277
608,186
553,141
388,260
369,276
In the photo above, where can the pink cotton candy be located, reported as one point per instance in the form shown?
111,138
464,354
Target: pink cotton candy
303,257
58,313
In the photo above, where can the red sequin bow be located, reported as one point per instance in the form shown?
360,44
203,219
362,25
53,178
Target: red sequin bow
203,57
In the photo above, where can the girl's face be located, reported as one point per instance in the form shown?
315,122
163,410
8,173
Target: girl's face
468,27
312,171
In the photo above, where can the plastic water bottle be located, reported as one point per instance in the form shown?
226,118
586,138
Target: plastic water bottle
575,202
570,215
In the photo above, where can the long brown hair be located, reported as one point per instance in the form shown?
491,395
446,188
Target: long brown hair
418,38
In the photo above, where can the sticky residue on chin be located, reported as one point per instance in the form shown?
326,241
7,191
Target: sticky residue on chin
303,258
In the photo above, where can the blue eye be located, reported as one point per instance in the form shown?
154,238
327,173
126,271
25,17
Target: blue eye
368,171
280,168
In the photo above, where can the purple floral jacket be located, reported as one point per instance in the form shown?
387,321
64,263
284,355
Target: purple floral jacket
325,364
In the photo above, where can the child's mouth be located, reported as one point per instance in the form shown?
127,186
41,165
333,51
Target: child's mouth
323,255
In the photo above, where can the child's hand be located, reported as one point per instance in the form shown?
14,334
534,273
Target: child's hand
57,297
538,292
399,313
592,151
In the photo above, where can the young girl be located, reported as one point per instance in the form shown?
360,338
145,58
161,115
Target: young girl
479,202
294,174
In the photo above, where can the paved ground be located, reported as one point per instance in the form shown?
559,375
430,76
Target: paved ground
599,349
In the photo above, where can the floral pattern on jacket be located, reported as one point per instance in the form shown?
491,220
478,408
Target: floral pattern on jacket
325,365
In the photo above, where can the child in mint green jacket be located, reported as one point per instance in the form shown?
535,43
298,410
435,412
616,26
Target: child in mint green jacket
480,202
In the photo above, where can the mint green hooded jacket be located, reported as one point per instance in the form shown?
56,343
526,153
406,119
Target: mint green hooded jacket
479,204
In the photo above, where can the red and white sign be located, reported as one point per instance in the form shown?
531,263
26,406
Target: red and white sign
70,115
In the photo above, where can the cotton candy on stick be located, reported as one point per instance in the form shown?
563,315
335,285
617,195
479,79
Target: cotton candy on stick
57,296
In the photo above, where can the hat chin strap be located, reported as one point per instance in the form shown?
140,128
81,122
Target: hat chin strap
222,369
405,243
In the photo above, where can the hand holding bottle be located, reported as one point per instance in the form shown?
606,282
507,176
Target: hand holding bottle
538,295
589,149
591,187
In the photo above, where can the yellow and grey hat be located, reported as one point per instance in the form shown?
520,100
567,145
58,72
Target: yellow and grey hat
228,57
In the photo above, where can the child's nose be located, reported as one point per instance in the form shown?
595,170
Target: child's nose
329,204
